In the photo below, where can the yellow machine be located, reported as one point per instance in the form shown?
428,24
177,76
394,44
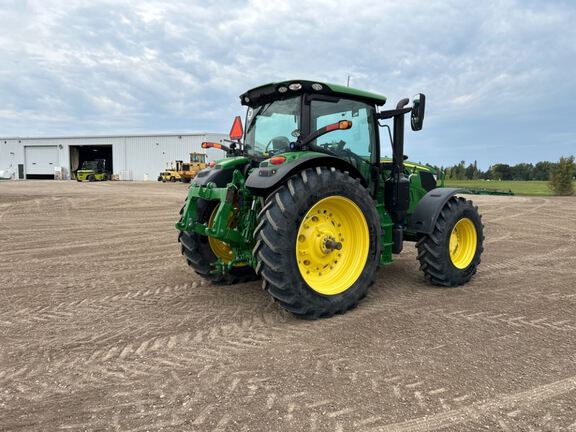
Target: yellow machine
183,171
189,170
172,173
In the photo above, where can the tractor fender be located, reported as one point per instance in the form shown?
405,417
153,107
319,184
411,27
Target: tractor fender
220,177
423,219
221,174
264,180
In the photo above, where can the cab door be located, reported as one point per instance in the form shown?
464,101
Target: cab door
357,145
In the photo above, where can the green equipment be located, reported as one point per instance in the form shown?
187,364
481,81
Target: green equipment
304,201
486,191
93,171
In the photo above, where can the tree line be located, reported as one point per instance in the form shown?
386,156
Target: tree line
560,174
521,172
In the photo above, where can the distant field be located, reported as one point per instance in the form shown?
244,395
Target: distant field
518,187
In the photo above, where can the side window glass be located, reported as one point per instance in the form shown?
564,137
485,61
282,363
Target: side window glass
358,139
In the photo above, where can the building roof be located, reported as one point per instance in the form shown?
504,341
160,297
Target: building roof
112,136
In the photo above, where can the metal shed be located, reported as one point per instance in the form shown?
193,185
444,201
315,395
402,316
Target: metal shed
129,157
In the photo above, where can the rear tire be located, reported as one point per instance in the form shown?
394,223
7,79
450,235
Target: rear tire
297,269
91,178
450,257
199,255
173,179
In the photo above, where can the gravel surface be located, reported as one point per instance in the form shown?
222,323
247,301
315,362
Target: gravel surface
104,327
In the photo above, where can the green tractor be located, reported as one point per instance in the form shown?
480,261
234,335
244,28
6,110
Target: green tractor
93,171
305,201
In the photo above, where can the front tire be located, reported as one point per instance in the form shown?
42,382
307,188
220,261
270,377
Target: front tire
450,255
199,251
318,243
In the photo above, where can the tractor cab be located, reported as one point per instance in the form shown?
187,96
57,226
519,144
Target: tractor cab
197,158
282,117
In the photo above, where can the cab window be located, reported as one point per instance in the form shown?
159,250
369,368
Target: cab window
359,140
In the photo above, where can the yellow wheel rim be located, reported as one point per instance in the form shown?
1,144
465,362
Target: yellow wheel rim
332,223
463,241
221,249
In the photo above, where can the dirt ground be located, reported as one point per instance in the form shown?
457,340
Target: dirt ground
104,327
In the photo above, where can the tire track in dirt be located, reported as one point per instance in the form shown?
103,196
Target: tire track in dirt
140,347
477,410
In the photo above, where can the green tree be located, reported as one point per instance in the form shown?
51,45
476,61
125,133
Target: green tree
523,171
472,171
501,172
562,175
542,170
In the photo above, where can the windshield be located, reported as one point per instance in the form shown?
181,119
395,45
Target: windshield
270,127
91,165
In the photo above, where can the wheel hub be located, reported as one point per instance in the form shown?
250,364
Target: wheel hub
327,263
462,244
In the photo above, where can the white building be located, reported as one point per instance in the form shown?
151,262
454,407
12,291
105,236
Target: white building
130,157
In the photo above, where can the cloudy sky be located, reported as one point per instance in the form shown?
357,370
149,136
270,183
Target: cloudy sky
500,75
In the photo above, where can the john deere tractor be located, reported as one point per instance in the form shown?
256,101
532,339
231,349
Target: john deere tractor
305,201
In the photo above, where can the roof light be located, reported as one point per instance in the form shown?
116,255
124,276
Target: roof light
317,86
295,86
282,89
277,160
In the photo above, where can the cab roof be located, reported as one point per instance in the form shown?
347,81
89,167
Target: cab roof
285,89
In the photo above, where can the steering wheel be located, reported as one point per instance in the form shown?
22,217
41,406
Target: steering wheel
278,143
338,146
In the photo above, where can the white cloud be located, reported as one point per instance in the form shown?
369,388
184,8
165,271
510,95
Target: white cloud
87,66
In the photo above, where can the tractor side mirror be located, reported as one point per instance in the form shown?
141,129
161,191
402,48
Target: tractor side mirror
418,107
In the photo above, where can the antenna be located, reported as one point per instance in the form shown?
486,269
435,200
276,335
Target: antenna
348,81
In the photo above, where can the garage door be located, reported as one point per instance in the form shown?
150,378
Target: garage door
41,160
